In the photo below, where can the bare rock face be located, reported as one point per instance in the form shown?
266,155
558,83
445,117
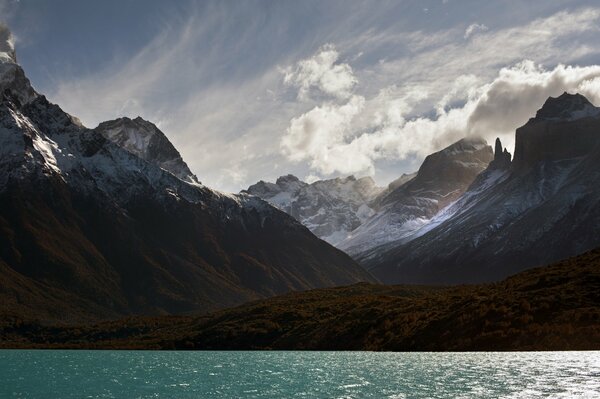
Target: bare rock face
442,178
565,127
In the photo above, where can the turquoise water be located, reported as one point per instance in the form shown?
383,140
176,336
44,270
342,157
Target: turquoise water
145,374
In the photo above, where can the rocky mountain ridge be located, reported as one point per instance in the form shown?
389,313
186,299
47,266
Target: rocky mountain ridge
94,227
146,141
442,178
541,207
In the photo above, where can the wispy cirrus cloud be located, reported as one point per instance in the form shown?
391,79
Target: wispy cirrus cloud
391,126
353,90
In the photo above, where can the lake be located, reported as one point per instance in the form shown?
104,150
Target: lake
178,374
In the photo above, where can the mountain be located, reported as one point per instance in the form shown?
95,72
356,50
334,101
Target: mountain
331,209
145,140
554,307
380,198
442,178
105,222
541,207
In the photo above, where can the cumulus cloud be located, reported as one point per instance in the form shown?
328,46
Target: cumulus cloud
323,72
317,134
473,29
515,95
325,137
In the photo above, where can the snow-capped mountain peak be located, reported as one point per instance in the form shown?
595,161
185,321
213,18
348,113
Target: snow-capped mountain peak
145,140
13,82
442,178
329,208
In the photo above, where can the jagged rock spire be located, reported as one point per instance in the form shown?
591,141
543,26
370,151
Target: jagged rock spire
502,157
498,149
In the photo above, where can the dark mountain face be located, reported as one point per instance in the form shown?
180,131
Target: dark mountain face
542,207
565,127
441,179
93,227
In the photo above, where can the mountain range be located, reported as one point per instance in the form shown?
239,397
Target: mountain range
541,207
473,214
106,222
331,209
109,222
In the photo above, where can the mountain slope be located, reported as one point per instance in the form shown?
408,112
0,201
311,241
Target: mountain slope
543,206
331,209
92,227
554,307
441,179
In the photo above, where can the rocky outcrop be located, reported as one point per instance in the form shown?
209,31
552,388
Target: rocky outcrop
565,127
502,158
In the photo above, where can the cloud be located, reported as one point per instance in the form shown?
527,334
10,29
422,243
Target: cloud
317,135
213,83
323,72
518,92
458,97
324,136
473,29
7,43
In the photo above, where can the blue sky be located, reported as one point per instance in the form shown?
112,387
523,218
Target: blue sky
251,90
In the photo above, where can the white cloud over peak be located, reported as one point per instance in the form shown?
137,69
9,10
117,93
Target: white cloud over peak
518,92
327,136
323,72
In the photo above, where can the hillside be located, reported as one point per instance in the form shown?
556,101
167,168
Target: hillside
555,307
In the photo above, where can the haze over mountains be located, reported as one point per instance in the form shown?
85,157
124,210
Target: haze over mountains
110,221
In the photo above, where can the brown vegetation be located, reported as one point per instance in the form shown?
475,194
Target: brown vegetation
550,308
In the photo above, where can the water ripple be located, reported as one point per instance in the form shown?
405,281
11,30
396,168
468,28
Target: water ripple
145,374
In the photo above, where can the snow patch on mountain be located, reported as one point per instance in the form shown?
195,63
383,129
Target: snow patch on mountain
331,209
145,140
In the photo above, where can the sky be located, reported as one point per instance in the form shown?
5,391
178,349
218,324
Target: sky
251,90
